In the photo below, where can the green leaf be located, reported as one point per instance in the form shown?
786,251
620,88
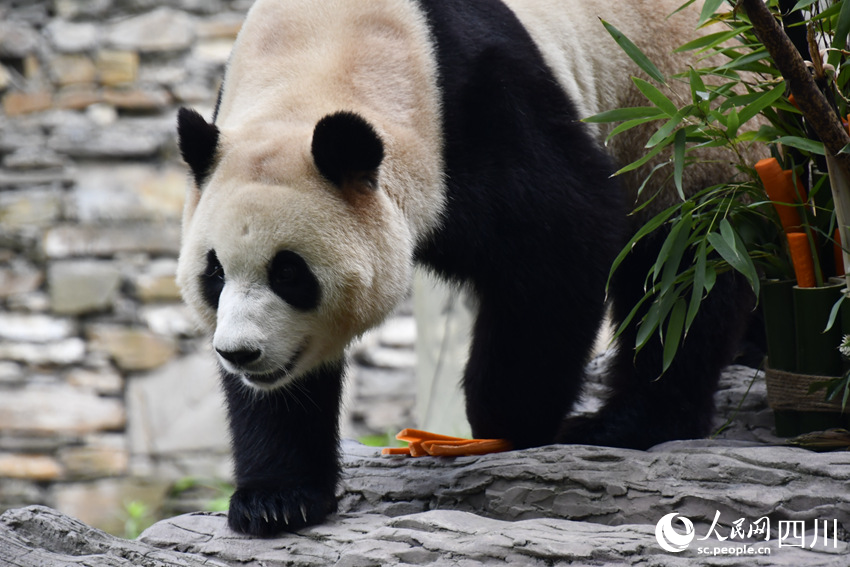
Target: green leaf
834,313
730,247
732,123
628,320
655,96
710,278
708,10
634,53
711,40
639,162
667,128
699,94
673,336
802,4
839,41
805,144
620,114
679,160
845,150
742,62
761,103
678,238
682,7
647,228
656,313
629,124
698,285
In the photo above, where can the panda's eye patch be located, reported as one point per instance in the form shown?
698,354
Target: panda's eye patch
212,280
292,280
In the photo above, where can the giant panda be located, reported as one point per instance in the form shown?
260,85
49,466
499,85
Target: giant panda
353,140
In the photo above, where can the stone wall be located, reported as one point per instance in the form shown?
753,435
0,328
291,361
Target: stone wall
107,392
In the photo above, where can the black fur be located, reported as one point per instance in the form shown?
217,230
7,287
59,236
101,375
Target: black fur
285,449
531,221
643,409
532,224
291,279
345,146
212,280
198,141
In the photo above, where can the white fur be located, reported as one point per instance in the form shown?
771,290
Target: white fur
601,77
294,62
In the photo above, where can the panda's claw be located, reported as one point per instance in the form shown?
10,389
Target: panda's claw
266,513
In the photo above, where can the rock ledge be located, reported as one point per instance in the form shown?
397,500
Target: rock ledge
549,506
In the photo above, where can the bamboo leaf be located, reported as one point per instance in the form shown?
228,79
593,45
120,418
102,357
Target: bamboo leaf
649,324
710,278
698,285
634,53
620,114
682,7
654,316
761,103
839,41
711,40
651,225
732,123
730,247
679,161
673,336
664,132
629,124
655,96
639,162
708,10
834,313
699,94
679,236
628,320
743,62
805,144
802,4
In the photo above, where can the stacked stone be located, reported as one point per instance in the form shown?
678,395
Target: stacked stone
107,392
91,192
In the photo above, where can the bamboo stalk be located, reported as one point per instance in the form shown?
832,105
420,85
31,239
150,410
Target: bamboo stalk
811,101
814,106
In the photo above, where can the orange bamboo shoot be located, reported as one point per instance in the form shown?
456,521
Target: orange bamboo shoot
801,256
779,186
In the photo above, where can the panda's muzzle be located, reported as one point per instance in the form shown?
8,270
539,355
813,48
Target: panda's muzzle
240,358
243,359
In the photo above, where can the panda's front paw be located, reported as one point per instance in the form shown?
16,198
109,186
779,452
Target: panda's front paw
265,512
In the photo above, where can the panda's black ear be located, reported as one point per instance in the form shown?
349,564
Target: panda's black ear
198,141
347,150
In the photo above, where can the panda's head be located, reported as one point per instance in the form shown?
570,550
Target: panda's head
290,246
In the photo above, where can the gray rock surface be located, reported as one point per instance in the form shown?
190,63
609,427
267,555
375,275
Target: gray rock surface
549,506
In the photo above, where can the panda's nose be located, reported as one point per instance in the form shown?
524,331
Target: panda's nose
240,357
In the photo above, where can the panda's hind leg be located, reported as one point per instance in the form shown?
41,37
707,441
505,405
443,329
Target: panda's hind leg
526,364
646,408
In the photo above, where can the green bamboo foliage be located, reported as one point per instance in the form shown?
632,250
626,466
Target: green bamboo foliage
729,226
